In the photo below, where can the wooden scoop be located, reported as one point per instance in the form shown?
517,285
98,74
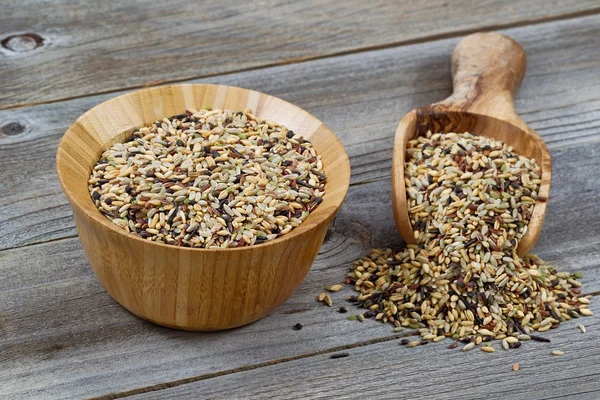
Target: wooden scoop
488,69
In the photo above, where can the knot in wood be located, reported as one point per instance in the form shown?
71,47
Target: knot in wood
12,128
22,43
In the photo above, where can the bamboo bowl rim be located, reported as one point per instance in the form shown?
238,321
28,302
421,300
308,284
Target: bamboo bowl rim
323,213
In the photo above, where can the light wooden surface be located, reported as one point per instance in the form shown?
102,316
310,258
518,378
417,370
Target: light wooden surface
62,336
487,71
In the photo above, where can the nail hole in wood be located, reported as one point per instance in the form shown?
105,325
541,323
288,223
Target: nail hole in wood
22,43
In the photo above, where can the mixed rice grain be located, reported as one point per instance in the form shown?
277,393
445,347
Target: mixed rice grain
469,199
209,178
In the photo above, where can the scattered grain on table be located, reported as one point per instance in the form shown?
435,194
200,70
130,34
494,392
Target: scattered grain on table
469,199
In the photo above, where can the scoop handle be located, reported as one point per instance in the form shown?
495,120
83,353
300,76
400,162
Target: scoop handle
487,69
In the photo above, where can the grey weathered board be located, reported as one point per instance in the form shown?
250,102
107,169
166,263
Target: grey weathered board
61,335
433,372
114,44
559,99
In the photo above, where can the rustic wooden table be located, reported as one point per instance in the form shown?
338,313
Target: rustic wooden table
359,66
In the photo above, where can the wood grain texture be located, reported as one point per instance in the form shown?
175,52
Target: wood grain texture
44,290
559,99
487,70
191,288
117,44
45,287
432,372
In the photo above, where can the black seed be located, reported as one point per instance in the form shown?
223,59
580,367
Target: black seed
215,154
369,314
343,310
515,345
194,230
237,153
172,214
404,342
423,342
95,195
290,134
519,327
539,339
206,149
109,214
305,184
339,355
297,327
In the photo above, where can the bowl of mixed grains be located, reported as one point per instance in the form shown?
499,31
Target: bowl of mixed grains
201,207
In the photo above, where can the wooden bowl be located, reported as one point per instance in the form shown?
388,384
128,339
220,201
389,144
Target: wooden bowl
488,69
190,288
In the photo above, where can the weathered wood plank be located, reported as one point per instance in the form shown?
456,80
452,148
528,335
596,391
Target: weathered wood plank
559,99
389,371
62,335
117,44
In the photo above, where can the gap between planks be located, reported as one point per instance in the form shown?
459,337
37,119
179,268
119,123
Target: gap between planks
298,60
179,382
